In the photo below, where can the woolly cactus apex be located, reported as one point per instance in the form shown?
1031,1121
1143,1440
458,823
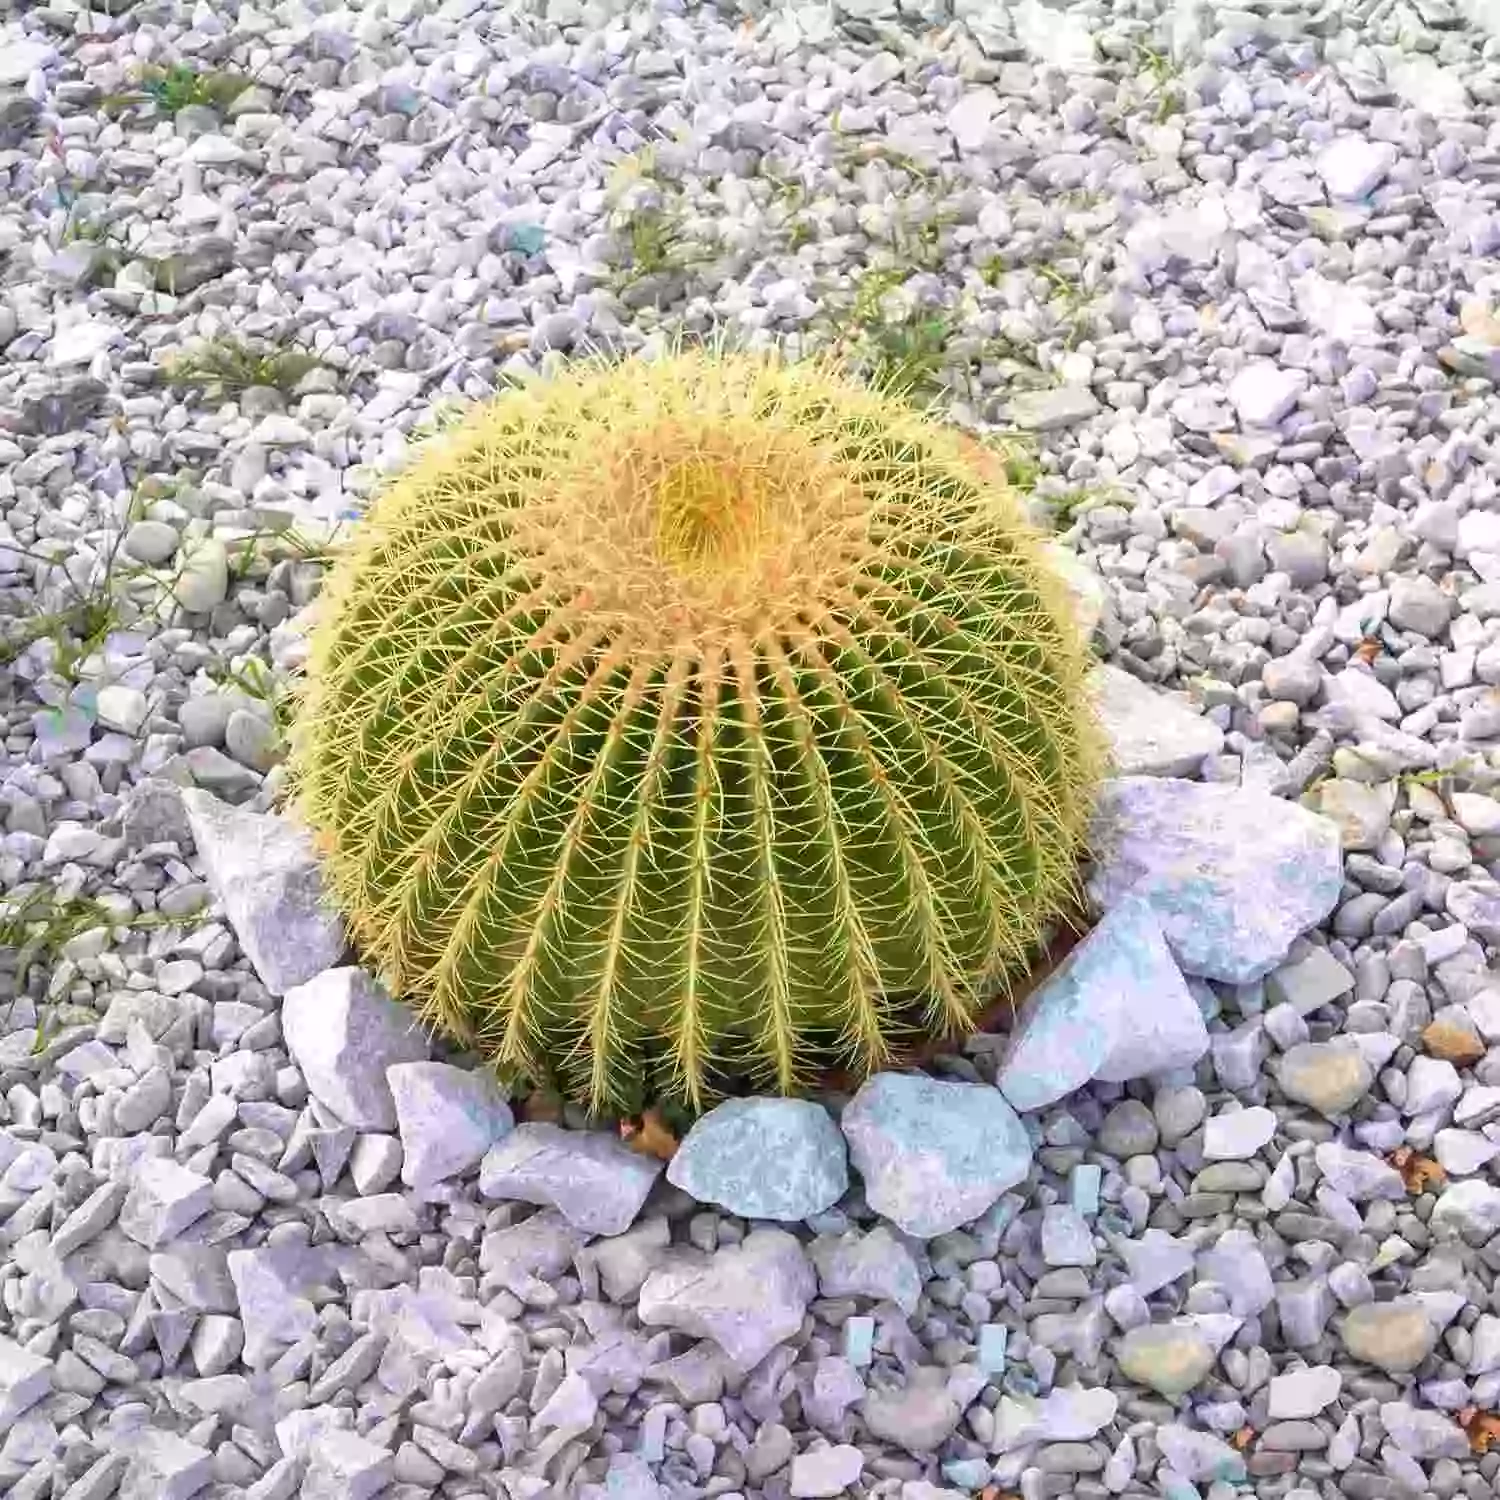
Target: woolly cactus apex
693,720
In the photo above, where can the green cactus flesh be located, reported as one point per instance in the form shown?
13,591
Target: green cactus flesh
710,718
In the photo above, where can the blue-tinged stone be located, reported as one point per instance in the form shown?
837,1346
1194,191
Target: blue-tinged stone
399,99
629,1478
62,731
1150,732
1066,1414
859,1341
1234,875
993,1338
528,239
654,1434
764,1159
1116,1008
1175,1487
934,1154
967,1473
1200,1457
1083,1187
1062,1035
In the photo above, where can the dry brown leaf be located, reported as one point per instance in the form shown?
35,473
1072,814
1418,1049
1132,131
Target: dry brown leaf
1483,1428
650,1136
1368,649
1419,1173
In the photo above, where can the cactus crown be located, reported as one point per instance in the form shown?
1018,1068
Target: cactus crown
677,721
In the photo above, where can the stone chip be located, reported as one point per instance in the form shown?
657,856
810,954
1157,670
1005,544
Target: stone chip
763,1159
593,1180
344,1031
748,1297
448,1118
262,870
1234,875
934,1154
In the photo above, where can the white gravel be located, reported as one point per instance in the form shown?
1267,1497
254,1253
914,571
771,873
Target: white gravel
1233,273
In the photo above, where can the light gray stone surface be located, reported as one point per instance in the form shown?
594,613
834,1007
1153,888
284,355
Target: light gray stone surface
1150,733
263,872
747,1298
344,1031
933,1155
764,1159
594,1180
1117,1008
448,1118
1234,875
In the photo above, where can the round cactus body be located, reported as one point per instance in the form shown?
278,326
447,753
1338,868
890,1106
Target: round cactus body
711,718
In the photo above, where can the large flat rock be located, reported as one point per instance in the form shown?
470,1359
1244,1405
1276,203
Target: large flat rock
1234,875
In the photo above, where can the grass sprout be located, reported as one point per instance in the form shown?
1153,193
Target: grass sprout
227,366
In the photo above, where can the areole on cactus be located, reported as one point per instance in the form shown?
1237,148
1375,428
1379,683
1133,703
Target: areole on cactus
677,722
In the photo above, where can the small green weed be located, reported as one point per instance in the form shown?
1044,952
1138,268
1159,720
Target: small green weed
178,85
902,353
852,153
650,230
1022,469
922,243
655,243
1071,299
36,924
1059,283
255,679
173,87
81,228
1081,200
1162,85
632,168
788,192
907,356
654,240
874,287
444,415
227,366
79,628
790,196
1157,66
86,223
1067,506
253,554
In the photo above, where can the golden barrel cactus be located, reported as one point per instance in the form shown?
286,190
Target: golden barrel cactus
694,721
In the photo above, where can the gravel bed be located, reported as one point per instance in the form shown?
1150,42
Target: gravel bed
1223,1216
